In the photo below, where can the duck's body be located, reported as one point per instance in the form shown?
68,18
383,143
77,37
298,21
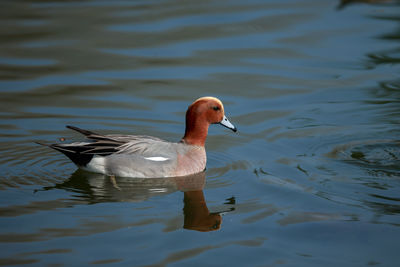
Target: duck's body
146,156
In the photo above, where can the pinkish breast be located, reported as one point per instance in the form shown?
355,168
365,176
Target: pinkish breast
193,161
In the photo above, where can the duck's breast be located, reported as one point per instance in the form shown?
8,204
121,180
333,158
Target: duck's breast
190,160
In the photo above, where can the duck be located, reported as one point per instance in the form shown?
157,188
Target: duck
142,156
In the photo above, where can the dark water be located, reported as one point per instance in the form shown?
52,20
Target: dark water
312,178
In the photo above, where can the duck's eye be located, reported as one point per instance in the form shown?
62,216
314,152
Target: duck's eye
216,108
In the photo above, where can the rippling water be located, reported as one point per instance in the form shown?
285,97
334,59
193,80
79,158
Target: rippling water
312,178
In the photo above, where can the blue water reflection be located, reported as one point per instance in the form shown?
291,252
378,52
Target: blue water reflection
311,179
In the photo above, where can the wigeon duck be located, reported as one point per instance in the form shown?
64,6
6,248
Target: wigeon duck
145,156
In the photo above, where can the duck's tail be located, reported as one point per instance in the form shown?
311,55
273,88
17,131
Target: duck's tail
73,152
82,131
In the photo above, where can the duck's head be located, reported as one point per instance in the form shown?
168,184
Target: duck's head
200,114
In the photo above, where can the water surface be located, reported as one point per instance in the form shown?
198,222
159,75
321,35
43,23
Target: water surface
311,178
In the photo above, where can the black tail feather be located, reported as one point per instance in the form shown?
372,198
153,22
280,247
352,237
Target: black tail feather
42,144
79,130
82,153
73,153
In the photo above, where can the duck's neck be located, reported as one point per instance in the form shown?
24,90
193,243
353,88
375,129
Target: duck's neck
196,132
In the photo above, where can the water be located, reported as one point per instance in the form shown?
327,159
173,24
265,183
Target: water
312,177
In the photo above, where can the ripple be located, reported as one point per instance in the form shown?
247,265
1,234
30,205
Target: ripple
24,164
375,155
27,61
220,164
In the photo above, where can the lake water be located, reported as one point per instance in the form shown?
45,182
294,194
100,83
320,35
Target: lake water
311,178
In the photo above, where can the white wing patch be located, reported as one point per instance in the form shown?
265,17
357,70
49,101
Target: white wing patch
157,158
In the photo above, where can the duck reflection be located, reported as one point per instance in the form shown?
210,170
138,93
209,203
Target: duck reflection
196,213
95,188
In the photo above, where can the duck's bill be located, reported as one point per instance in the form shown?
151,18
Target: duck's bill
225,122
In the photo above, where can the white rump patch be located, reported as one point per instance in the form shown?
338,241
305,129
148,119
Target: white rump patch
97,164
157,158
